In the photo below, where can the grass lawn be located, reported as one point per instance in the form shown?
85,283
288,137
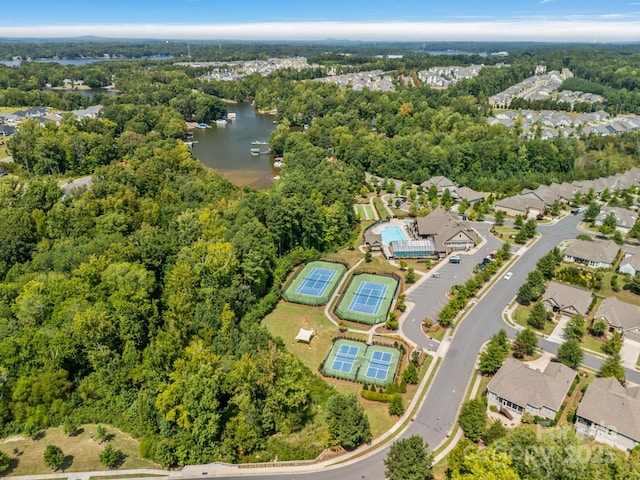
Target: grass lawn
382,212
369,211
436,332
622,295
287,319
84,451
593,343
576,396
522,313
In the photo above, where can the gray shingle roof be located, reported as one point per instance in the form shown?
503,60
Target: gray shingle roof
522,385
619,314
565,296
609,404
604,251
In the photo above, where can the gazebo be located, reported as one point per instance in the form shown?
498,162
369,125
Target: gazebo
304,335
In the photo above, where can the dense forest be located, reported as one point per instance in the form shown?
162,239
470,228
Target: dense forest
138,302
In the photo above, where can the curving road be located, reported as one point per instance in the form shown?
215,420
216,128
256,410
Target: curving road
438,413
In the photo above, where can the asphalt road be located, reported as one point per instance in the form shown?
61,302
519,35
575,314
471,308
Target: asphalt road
438,413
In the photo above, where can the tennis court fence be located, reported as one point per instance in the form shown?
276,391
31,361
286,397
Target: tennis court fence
342,309
291,293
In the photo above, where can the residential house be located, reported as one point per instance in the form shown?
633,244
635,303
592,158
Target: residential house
6,130
625,218
630,264
517,389
597,254
566,299
610,413
621,316
447,231
441,184
525,205
468,194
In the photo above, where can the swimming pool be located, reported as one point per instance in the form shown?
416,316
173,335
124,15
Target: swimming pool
390,234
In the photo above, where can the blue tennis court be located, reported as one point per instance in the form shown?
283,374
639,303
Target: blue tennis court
379,365
316,282
345,358
368,298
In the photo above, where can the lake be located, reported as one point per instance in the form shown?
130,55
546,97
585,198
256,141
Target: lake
80,61
227,149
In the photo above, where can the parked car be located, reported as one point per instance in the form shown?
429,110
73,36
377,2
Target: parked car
454,259
508,275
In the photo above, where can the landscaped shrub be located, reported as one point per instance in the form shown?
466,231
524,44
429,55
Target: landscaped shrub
376,396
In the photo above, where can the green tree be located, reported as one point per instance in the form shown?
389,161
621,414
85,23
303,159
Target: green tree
70,426
473,418
592,212
495,431
347,421
635,230
392,321
101,433
5,462
499,217
525,343
575,327
492,358
111,457
368,257
614,344
598,328
410,374
538,316
487,465
409,459
612,367
570,353
609,224
518,221
410,276
53,457
396,407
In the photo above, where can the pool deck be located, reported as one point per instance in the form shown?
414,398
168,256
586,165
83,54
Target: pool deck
394,222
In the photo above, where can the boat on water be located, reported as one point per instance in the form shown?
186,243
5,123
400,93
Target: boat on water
277,177
255,152
221,121
231,115
277,164
203,125
259,142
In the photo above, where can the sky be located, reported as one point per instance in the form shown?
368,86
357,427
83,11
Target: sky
593,21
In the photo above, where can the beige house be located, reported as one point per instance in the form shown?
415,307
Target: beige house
468,194
610,413
621,316
517,389
566,299
600,254
522,204
442,183
625,218
448,232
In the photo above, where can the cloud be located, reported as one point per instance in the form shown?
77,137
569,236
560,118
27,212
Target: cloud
574,30
545,1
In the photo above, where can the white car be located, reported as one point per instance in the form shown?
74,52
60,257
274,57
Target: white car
508,275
